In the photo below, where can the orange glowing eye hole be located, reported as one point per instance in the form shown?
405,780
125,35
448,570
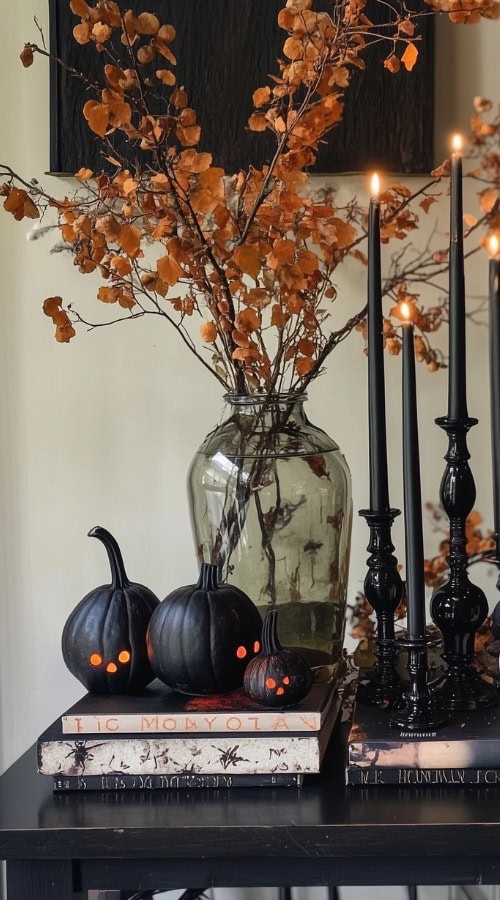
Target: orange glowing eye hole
95,659
111,667
256,647
124,656
241,652
286,680
280,691
270,683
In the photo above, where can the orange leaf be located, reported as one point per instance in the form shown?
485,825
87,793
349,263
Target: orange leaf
306,347
82,32
392,63
84,174
261,96
169,270
167,33
303,365
147,23
257,122
101,32
293,48
188,136
487,199
26,56
247,259
409,57
179,98
129,239
121,265
248,320
80,8
97,116
192,161
165,76
107,294
208,332
278,317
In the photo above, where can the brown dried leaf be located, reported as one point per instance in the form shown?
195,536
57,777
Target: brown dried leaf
165,76
247,259
26,56
257,122
261,96
208,332
392,63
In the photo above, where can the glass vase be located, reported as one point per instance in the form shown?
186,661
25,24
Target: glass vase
270,504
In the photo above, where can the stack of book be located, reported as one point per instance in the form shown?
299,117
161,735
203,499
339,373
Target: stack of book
466,750
162,739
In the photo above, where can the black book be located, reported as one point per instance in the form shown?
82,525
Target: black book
128,782
405,777
469,740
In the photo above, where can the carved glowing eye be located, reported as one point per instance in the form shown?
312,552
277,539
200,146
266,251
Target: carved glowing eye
95,659
286,680
124,656
241,652
256,647
270,683
111,667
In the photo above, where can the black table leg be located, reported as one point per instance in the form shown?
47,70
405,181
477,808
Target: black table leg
40,879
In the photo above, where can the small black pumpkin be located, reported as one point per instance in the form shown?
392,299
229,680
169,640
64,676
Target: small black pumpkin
201,636
277,677
104,638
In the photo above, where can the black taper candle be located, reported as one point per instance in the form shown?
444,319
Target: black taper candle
414,542
494,324
379,490
457,395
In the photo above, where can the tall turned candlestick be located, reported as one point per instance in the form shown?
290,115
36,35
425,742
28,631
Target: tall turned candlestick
459,607
383,586
383,589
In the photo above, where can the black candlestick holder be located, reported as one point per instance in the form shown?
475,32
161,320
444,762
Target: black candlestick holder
383,589
419,711
458,608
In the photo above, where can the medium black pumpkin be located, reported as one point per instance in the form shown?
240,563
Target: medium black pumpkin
201,636
104,638
277,677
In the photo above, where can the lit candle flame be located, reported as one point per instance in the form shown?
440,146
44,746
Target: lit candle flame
493,246
405,310
457,143
375,185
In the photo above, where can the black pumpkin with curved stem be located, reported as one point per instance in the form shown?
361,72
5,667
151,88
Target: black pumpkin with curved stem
201,636
278,676
104,638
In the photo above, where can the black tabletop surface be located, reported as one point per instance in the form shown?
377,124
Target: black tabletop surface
322,820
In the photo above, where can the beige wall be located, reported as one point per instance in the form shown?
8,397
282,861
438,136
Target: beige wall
102,431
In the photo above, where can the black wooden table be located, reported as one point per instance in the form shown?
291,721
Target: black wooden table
58,846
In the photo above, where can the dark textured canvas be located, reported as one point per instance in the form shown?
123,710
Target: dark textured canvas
225,49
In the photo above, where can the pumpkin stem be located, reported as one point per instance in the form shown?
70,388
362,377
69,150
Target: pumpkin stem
270,640
118,574
208,580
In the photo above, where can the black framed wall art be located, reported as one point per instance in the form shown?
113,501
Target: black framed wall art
225,49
